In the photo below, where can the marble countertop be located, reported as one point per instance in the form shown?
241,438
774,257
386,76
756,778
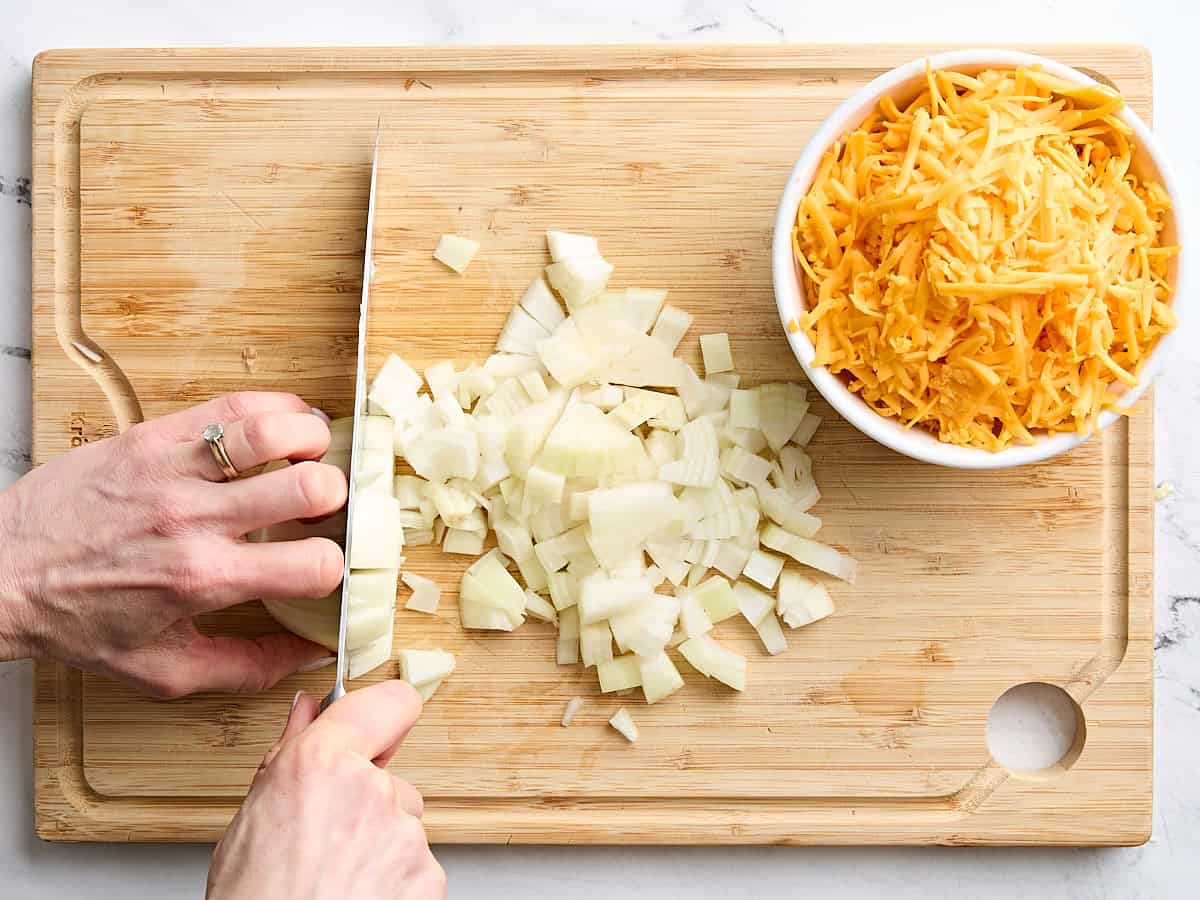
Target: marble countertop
1167,866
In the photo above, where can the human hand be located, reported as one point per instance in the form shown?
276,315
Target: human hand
323,818
109,551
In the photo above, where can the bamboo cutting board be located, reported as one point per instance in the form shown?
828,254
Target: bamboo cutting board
198,229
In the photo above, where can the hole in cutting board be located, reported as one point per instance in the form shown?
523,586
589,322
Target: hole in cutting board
1035,729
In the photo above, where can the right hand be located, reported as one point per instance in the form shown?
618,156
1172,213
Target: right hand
323,818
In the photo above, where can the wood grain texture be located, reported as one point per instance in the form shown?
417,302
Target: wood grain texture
198,228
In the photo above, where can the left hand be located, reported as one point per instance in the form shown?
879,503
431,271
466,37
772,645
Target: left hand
108,552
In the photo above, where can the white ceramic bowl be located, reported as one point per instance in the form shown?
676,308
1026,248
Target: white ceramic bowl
903,83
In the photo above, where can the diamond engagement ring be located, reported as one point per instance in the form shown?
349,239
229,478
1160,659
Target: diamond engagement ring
214,436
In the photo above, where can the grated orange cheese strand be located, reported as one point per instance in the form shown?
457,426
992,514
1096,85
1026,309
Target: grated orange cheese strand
981,263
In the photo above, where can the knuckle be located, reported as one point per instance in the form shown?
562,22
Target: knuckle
412,832
139,436
243,404
191,571
263,437
306,760
254,680
410,797
169,514
238,405
166,686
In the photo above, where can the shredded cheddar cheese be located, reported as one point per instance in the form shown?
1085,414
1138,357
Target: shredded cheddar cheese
982,263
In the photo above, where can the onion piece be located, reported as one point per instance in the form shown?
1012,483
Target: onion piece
639,407
564,590
671,326
475,614
805,430
425,593
408,491
565,356
533,573
563,245
619,674
372,656
697,464
530,428
487,582
659,677
646,629
456,252
535,386
541,304
602,597
802,600
595,644
419,667
579,279
717,598
555,553
521,333
745,410
744,467
644,305
693,617
772,636
397,376
606,396
782,407
510,365
709,658
623,722
542,487
763,568
717,355
585,442
811,553
787,510
574,705
378,532
426,691
755,605
539,607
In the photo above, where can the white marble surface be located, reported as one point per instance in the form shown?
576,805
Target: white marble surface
1168,866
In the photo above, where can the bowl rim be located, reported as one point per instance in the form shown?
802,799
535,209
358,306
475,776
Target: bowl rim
916,443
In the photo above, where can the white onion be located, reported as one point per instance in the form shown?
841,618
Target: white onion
623,722
456,252
574,705
586,445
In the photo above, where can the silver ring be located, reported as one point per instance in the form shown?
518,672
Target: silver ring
214,436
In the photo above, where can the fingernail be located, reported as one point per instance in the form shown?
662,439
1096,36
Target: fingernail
321,414
317,664
295,700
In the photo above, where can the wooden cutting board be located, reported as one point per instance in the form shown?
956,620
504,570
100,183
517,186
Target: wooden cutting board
199,229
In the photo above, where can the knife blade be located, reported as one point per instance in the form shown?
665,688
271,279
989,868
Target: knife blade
357,433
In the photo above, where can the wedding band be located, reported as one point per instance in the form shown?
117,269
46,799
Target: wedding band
214,436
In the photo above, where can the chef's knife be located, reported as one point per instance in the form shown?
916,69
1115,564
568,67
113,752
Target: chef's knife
360,394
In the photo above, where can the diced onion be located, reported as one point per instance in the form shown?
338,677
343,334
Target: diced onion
574,705
623,722
586,445
456,252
